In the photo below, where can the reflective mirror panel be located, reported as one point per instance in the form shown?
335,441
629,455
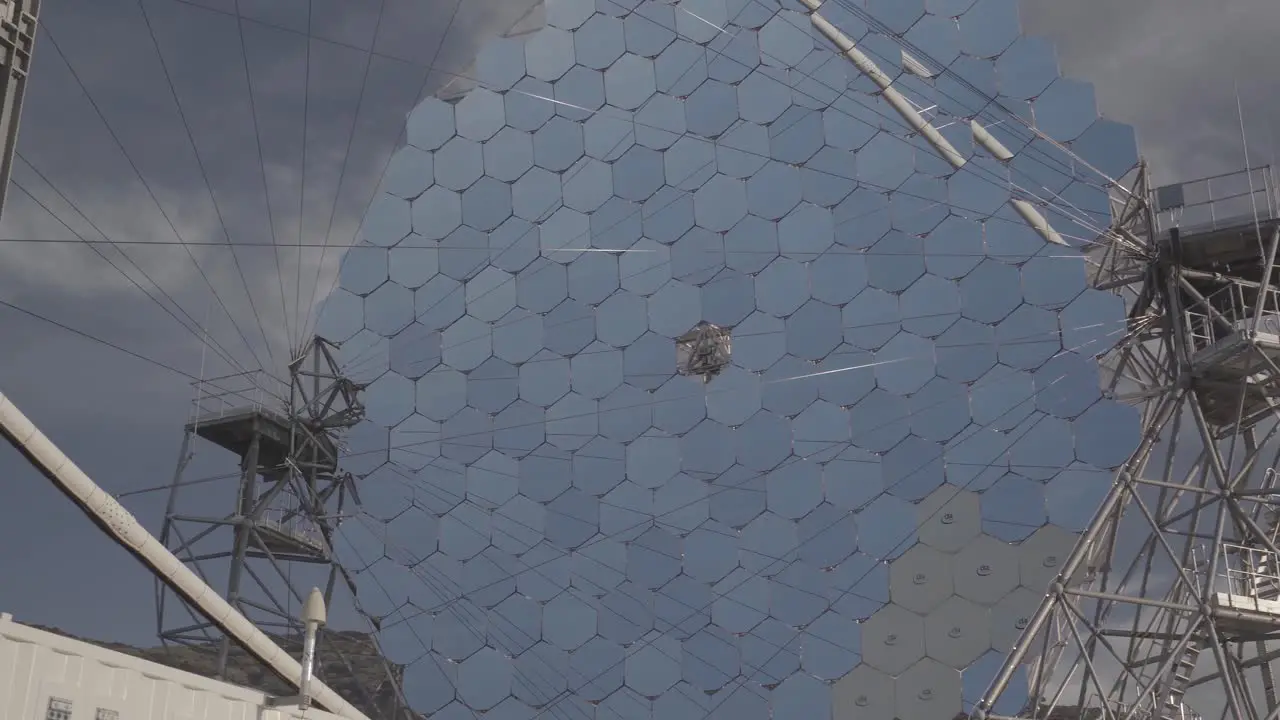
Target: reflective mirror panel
708,388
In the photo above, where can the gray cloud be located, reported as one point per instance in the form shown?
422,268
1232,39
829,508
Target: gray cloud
1171,68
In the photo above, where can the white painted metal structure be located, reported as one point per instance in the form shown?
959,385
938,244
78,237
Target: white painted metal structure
47,676
122,527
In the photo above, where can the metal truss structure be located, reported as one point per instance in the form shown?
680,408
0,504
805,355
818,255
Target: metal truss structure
1169,604
290,497
18,19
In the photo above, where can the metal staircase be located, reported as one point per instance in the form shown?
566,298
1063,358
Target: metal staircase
1180,679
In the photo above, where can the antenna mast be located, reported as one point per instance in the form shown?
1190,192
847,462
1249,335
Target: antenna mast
289,499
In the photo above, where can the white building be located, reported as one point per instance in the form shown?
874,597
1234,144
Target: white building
44,676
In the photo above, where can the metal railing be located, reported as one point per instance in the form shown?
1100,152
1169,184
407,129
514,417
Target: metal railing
292,524
1222,201
1231,309
219,397
1250,572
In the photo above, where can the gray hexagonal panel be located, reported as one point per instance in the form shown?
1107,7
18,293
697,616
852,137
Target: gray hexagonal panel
700,400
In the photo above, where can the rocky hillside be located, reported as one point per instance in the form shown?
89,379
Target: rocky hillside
347,661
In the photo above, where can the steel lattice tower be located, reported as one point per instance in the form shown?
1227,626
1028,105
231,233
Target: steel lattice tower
18,20
1169,603
290,496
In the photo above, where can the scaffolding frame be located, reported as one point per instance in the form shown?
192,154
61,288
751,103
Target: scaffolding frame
1143,621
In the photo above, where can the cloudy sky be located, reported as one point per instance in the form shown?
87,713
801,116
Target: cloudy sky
101,110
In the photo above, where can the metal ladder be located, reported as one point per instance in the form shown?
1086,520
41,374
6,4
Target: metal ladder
1266,586
1175,687
1180,679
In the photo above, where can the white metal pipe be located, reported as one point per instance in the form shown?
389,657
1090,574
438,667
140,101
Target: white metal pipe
1030,214
989,142
890,93
1032,217
120,524
899,102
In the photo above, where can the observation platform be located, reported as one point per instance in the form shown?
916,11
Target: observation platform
1218,227
236,428
1219,224
232,411
1218,231
293,538
1234,335
1246,593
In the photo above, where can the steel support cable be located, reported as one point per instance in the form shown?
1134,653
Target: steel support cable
906,109
182,483
262,169
293,31
204,174
346,160
988,178
298,340
458,75
426,79
568,417
984,137
1022,209
806,75
585,235
846,591
364,357
681,194
96,339
147,186
907,539
980,383
919,53
194,328
717,594
700,499
1014,259
940,145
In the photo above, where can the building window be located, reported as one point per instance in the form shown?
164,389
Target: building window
106,714
59,709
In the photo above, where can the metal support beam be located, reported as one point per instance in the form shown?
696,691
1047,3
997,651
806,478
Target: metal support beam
18,19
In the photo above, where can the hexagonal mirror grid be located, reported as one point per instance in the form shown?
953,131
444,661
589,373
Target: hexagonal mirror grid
859,511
